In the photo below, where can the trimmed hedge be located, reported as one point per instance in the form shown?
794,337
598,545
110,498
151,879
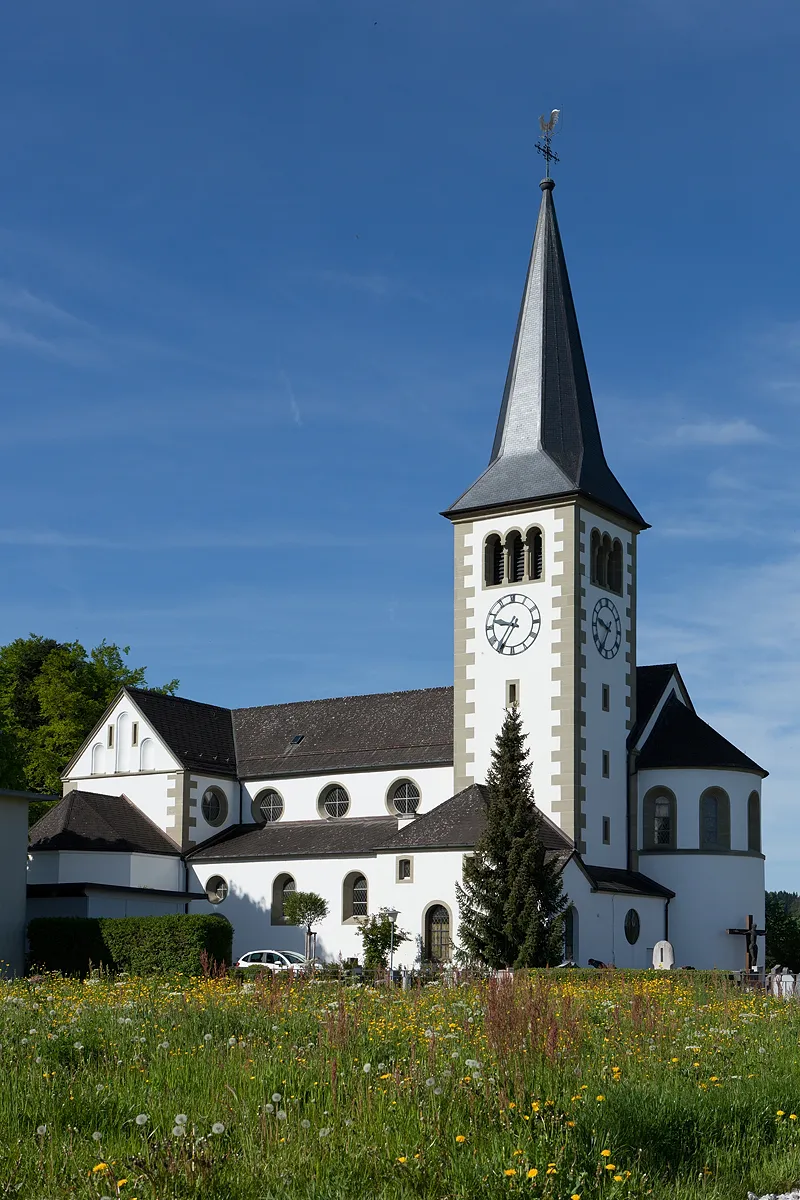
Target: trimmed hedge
139,945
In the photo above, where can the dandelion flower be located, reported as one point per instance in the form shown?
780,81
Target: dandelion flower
605,1154
460,1137
575,1196
601,1097
532,1173
792,1116
99,1167
142,1119
617,1179
403,1158
510,1171
780,1113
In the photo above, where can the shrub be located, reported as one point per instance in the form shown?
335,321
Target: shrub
139,945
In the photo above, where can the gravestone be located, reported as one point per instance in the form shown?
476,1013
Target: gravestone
663,956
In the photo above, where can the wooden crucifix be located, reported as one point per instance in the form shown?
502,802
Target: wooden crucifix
751,935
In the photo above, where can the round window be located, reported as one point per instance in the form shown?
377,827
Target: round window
405,798
214,806
632,926
336,802
268,806
216,889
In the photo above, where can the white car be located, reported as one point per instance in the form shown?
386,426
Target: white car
274,960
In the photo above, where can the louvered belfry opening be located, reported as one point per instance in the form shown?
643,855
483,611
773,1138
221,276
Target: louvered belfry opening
516,558
535,554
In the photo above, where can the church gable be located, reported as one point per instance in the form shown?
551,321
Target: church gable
654,686
682,739
124,742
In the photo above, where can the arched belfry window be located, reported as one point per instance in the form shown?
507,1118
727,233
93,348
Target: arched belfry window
754,822
715,820
597,569
659,820
534,548
515,549
615,567
606,561
494,560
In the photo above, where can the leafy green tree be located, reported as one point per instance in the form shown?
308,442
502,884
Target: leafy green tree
52,694
378,938
512,900
783,932
307,909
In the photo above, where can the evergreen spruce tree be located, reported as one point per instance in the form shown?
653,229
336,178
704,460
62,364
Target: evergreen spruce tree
512,901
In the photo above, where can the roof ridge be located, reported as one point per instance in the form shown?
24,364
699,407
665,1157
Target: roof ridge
183,699
355,696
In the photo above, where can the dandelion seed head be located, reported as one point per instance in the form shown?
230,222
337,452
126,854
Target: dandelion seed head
367,1068
97,1136
281,1114
181,1119
323,1133
218,1127
305,1123
41,1130
142,1119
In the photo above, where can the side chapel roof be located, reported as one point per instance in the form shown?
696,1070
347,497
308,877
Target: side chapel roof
92,821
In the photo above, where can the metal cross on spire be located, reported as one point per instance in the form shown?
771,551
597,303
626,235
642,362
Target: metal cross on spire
548,127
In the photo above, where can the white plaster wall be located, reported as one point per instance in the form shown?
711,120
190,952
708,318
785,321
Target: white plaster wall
605,730
157,871
533,668
123,758
714,892
96,866
201,830
601,923
110,905
147,791
13,871
688,785
367,791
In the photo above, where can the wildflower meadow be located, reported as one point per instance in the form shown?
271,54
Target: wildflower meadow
553,1084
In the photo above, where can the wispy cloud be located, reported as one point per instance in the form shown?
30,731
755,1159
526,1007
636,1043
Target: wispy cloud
374,284
739,432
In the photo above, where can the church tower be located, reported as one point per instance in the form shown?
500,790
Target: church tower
545,578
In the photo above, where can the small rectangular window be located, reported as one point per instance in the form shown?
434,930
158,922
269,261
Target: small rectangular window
110,737
512,692
606,764
606,831
403,869
606,697
135,733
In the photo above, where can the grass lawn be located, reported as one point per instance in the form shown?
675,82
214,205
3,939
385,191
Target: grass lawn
555,1085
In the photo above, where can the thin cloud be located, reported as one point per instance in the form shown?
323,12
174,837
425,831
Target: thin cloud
739,432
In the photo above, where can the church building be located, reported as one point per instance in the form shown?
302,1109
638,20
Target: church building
375,801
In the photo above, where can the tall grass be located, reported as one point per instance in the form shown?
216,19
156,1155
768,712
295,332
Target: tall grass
550,1085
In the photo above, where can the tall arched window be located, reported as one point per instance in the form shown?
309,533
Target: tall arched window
98,758
659,820
754,822
494,560
571,934
599,559
437,934
355,897
515,550
715,820
615,567
123,742
282,887
147,751
535,552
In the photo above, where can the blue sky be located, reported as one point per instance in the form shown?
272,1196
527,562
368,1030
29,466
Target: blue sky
259,270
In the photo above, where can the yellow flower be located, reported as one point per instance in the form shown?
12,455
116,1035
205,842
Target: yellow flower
100,1167
601,1097
460,1137
404,1158
780,1113
610,1167
551,1171
605,1154
516,1152
121,1182
792,1116
510,1171
570,1124
575,1196
617,1179
532,1173
673,1060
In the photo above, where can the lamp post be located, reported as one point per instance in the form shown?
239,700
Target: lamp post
392,914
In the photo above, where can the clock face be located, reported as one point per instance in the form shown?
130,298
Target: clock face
512,624
606,628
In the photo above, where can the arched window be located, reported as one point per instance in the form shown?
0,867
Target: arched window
267,807
515,549
437,934
334,801
216,889
599,558
404,798
615,567
571,934
494,560
355,897
282,887
659,820
715,820
98,758
214,806
123,742
754,822
147,751
535,553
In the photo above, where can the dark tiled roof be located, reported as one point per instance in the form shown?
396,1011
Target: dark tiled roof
547,441
298,839
199,735
680,738
391,729
631,883
651,683
460,821
91,821
41,891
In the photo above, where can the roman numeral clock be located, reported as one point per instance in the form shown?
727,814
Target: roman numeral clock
513,624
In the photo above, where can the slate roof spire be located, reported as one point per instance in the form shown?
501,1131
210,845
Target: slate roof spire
548,441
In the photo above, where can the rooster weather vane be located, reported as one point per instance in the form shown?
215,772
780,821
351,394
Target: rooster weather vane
548,128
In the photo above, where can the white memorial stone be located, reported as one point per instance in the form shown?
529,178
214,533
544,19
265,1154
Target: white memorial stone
663,956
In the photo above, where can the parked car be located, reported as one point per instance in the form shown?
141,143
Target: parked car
275,960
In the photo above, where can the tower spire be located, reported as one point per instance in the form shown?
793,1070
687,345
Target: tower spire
547,442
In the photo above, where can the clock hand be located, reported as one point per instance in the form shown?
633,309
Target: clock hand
511,626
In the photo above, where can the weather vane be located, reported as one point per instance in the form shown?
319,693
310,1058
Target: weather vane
548,127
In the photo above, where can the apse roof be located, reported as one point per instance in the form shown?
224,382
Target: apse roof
680,738
548,441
